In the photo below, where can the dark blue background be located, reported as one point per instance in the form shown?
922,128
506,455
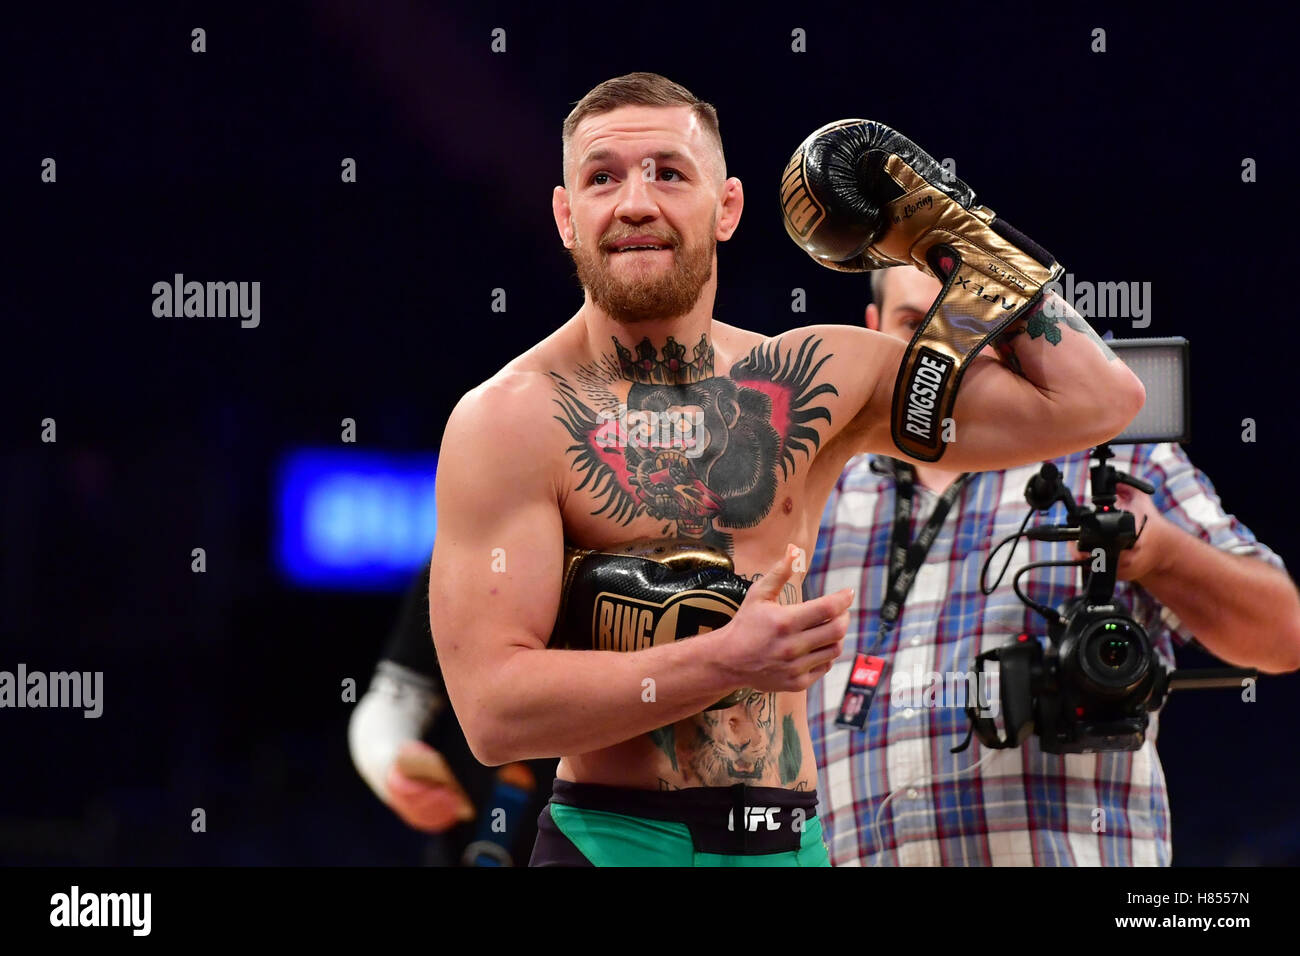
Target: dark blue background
223,689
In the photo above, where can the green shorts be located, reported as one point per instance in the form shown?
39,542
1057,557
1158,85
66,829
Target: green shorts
594,825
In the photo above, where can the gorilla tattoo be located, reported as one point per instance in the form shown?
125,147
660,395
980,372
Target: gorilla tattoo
694,450
730,432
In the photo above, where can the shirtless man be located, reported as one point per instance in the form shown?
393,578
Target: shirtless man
762,428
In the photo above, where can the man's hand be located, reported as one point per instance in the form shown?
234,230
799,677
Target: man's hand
786,648
1154,546
424,792
1237,606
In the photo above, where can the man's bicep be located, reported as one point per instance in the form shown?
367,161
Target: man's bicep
999,420
495,578
500,573
860,364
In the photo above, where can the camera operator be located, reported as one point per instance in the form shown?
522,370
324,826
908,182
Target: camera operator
892,791
483,816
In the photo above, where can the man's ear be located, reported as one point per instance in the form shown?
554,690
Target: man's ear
563,215
733,203
873,317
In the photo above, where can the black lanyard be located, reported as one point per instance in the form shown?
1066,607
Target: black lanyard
906,559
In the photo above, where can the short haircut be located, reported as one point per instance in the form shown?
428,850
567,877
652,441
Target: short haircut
641,89
878,287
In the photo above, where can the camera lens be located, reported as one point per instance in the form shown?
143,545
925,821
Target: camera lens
1112,655
1114,651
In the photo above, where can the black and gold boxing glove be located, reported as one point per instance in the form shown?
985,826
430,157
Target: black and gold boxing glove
859,196
645,593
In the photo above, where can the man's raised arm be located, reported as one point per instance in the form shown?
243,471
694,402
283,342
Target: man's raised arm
1058,382
1057,390
1048,396
859,196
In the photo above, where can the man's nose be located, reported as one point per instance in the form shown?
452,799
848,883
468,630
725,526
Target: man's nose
635,202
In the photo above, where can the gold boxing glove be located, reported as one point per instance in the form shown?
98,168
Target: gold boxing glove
858,196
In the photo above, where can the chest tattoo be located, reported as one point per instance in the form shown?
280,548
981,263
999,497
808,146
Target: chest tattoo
657,433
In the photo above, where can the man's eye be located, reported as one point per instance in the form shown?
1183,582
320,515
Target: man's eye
600,179
670,172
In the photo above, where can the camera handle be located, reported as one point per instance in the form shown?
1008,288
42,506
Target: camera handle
1102,527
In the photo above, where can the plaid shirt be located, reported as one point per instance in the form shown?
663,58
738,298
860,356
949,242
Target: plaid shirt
1022,807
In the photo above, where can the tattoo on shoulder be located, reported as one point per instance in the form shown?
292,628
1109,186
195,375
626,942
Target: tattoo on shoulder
655,432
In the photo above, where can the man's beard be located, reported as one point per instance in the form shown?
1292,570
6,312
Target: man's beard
664,295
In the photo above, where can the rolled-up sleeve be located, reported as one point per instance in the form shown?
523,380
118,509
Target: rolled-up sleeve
1185,495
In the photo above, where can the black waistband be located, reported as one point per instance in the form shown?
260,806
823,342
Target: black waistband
739,819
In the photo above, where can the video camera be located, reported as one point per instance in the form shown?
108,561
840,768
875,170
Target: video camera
1093,685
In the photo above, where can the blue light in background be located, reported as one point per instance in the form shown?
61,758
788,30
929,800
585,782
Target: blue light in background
354,520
